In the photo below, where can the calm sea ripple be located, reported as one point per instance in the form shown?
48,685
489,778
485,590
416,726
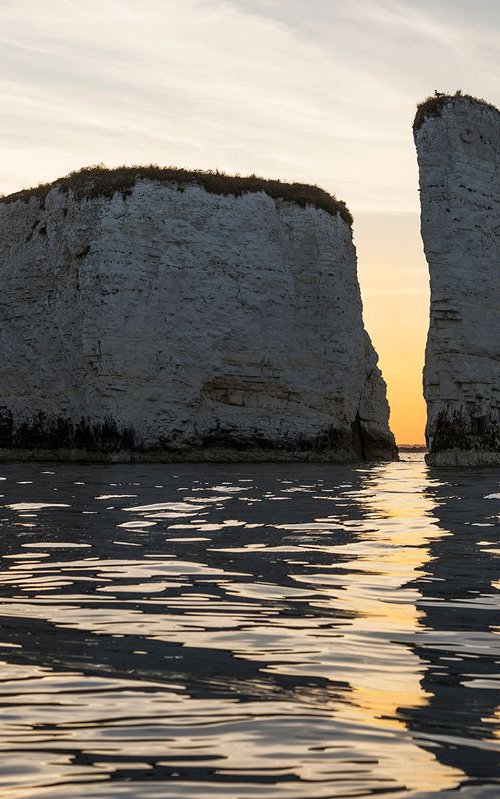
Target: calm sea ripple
251,632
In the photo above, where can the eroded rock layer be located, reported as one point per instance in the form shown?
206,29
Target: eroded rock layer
458,147
174,323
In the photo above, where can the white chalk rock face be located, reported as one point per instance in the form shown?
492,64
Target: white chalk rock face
458,147
167,322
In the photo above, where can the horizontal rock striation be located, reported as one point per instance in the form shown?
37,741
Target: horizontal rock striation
458,146
157,317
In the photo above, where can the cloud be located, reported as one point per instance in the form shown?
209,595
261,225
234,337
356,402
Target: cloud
322,93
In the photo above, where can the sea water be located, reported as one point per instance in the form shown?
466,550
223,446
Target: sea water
249,631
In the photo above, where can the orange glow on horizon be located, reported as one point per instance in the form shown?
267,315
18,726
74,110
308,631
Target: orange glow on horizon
394,286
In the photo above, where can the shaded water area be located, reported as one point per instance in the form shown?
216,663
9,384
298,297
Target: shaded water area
249,631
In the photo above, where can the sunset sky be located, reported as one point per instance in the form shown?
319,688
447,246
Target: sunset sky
318,91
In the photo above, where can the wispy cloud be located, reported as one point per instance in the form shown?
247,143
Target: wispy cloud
323,93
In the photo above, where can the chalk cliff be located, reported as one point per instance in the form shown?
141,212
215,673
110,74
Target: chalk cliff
458,146
160,315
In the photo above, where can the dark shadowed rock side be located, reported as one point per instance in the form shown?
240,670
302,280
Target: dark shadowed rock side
151,314
458,147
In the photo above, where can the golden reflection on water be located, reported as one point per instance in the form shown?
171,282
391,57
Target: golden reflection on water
380,605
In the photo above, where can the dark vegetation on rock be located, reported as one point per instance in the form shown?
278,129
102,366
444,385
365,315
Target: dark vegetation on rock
98,181
460,430
83,438
433,106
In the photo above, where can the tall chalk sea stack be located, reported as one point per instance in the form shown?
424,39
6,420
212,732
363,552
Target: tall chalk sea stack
151,314
458,146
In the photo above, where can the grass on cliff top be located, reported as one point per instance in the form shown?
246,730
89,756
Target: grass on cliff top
99,181
432,106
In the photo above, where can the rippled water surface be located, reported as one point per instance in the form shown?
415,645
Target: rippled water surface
249,631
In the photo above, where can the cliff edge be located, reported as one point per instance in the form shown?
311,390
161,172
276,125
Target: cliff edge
152,314
458,141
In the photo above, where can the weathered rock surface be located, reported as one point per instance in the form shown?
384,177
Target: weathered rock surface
458,147
170,323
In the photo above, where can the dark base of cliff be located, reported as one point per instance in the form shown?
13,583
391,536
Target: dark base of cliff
463,457
191,455
465,437
104,441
